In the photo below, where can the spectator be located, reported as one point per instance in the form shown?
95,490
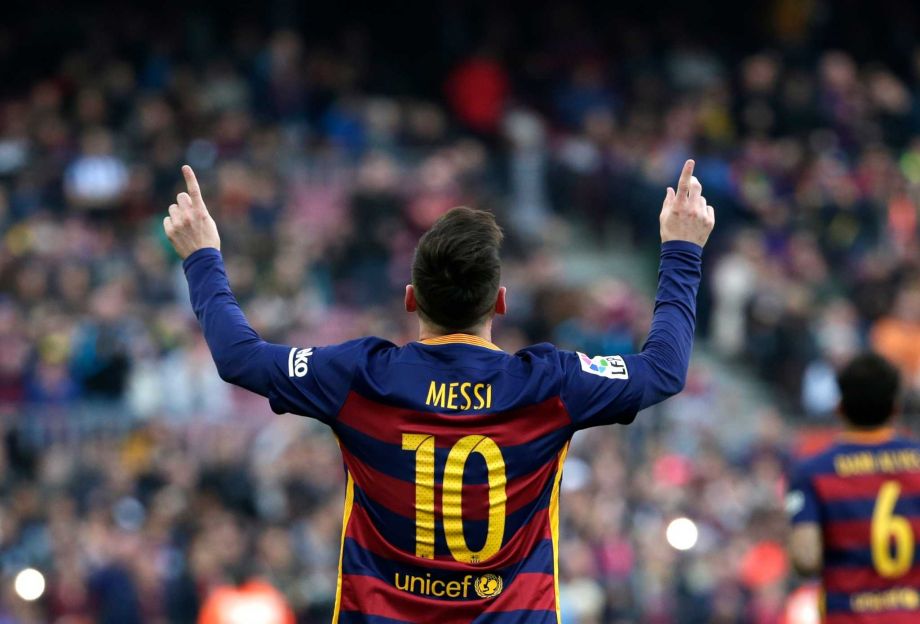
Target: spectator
135,479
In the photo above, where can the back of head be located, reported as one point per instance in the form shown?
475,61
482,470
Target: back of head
869,387
457,270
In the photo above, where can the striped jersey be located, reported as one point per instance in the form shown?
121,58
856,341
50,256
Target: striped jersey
452,448
865,493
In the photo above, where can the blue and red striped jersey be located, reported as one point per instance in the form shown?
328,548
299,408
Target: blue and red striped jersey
453,449
865,493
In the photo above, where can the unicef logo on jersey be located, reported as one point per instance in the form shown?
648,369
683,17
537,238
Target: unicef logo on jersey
488,586
298,361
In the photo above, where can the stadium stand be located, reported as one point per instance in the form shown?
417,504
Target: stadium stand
137,481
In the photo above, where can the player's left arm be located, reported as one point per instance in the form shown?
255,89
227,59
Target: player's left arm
612,389
311,382
806,544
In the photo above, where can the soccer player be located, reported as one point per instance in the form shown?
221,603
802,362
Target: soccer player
855,508
453,449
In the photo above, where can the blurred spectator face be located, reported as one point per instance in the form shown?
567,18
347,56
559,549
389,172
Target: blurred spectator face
425,123
91,107
382,117
838,332
759,73
285,52
838,72
378,174
889,93
96,178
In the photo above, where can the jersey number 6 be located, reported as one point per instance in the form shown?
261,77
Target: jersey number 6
452,495
891,562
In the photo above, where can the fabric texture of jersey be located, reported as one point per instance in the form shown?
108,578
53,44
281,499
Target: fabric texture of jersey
865,494
453,449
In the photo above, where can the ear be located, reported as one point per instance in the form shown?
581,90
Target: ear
410,299
501,305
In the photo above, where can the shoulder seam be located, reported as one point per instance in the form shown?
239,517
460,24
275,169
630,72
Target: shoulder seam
351,380
561,382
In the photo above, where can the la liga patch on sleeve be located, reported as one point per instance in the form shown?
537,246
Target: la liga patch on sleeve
609,366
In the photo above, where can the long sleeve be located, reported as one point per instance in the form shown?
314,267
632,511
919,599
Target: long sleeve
310,381
237,350
613,388
670,340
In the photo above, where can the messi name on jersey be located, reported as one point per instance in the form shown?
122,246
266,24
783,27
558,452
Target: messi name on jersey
459,395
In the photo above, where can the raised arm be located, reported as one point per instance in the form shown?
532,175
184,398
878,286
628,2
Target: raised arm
308,381
237,350
611,389
686,222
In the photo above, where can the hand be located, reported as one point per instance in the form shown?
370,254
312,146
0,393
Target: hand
685,216
189,226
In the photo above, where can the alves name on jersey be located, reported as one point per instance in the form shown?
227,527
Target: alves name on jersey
453,449
865,493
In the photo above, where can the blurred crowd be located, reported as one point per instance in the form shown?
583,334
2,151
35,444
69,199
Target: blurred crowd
138,482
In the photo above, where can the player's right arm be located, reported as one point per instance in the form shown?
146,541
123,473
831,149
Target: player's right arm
311,382
806,545
611,389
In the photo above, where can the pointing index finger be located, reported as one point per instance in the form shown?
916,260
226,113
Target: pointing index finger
683,186
191,182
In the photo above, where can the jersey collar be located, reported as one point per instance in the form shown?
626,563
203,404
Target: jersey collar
870,436
460,339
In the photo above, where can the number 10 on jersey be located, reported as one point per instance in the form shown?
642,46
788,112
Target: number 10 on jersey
423,446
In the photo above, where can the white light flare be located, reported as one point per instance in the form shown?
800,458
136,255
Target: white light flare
682,533
29,584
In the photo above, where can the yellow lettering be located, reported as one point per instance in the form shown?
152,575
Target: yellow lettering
480,401
839,461
453,589
466,585
405,584
459,395
435,394
434,588
465,395
897,598
865,463
451,395
421,585
886,462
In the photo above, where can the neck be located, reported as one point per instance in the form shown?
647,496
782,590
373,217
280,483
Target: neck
872,435
427,332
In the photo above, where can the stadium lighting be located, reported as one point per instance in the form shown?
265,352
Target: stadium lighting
29,584
802,607
682,533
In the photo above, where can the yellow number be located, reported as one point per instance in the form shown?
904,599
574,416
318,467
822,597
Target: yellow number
452,496
452,503
423,445
887,527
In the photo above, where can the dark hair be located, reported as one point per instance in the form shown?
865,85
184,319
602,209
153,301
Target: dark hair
456,269
869,387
